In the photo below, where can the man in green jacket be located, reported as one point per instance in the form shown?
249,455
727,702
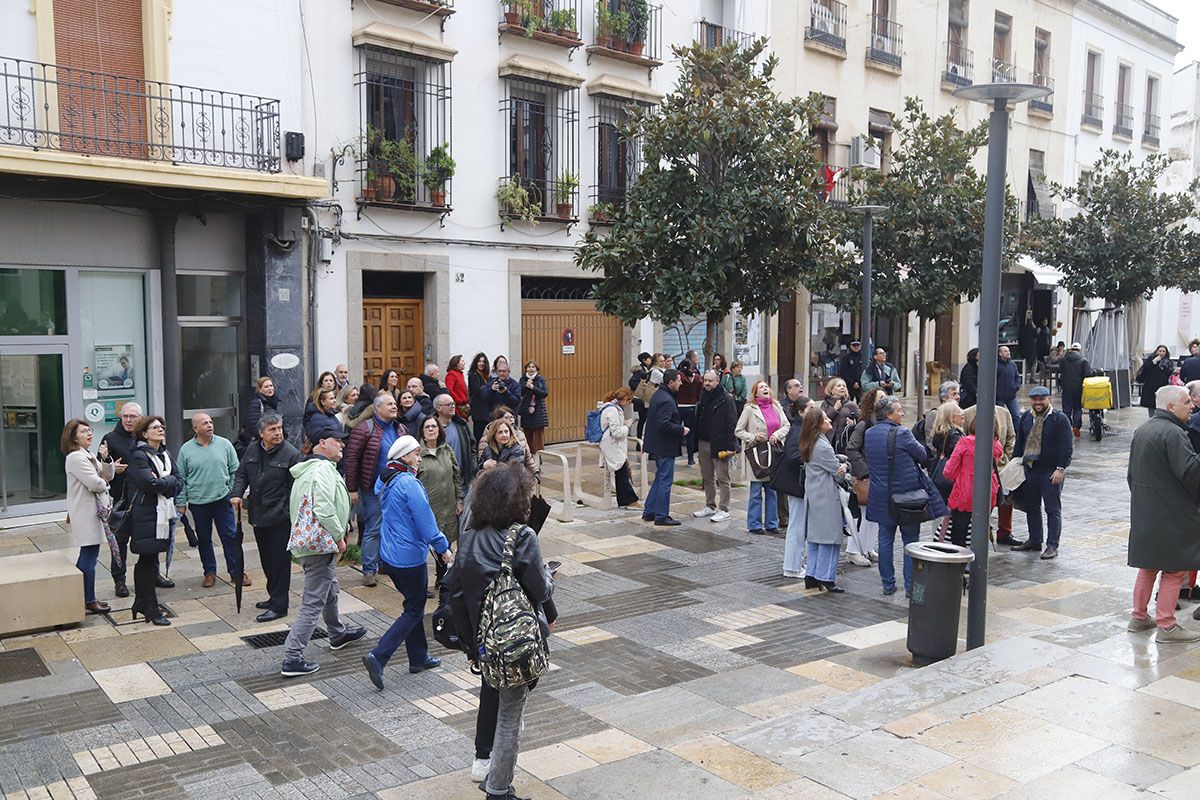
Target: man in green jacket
1164,518
881,374
207,464
320,511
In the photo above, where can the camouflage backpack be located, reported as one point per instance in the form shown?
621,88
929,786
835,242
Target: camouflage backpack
512,650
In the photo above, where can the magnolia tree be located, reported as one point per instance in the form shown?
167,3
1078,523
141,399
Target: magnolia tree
726,209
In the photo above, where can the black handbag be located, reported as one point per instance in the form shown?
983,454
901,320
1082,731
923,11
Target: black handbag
442,622
907,508
764,459
539,510
944,485
789,475
120,518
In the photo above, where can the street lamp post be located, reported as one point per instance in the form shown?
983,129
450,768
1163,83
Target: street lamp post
998,95
868,212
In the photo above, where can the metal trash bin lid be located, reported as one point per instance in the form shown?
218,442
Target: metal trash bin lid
942,552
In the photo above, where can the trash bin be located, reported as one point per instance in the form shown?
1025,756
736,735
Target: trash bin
937,590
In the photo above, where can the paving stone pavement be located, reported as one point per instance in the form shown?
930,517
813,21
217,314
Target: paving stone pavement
685,666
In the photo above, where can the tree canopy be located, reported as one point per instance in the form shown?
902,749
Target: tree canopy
725,211
928,245
1128,239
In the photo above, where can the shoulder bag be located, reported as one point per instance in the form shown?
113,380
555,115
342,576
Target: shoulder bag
763,459
944,485
907,508
645,391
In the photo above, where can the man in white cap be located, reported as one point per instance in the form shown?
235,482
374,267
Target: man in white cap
1074,369
320,512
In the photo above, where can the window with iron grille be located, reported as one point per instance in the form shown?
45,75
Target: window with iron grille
618,158
405,122
543,144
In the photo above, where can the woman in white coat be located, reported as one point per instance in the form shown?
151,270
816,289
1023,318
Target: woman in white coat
762,420
614,445
87,488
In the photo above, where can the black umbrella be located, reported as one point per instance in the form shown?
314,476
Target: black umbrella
239,577
191,533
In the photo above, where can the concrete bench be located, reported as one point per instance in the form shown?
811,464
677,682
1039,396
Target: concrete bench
39,591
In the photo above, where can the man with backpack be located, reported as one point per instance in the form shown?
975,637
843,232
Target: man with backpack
716,417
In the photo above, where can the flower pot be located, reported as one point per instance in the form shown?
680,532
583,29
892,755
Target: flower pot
512,18
569,33
604,41
368,193
384,187
438,196
637,47
565,209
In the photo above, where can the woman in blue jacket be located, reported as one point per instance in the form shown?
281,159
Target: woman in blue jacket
409,530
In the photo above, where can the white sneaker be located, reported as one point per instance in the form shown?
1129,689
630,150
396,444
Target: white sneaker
720,516
789,574
871,554
707,511
1176,633
480,768
859,560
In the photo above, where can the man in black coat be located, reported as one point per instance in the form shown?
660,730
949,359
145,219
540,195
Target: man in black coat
1074,368
1045,445
665,433
716,417
1189,367
850,369
118,444
265,471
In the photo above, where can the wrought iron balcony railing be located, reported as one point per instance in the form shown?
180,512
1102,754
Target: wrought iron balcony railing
1093,109
712,35
1003,72
885,45
1151,128
833,184
630,31
827,23
551,21
51,107
1123,121
960,65
1043,104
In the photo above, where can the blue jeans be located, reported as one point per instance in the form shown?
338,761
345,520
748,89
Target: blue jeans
887,558
372,515
409,627
1073,408
823,561
687,415
86,563
218,513
658,499
755,512
1040,491
1013,408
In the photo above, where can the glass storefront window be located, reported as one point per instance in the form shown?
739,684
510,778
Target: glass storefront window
33,302
210,295
210,375
112,328
31,423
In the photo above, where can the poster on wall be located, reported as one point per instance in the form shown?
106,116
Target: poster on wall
747,339
19,378
113,367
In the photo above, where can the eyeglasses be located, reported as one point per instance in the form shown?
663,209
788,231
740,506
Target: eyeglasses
155,427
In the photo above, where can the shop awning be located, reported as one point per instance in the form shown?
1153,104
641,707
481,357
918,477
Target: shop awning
1044,277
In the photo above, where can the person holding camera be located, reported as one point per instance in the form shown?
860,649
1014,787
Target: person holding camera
503,390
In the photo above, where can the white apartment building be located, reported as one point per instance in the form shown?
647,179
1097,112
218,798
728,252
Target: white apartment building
408,278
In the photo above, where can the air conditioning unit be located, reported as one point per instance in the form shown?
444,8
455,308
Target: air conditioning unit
864,153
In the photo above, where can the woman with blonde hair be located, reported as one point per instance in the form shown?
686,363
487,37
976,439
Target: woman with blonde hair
505,413
762,422
346,399
840,409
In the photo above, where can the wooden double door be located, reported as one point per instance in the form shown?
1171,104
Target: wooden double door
591,368
393,338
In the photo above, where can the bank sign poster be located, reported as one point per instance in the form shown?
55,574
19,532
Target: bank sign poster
113,367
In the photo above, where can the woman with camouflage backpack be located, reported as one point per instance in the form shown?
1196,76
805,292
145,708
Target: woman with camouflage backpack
498,548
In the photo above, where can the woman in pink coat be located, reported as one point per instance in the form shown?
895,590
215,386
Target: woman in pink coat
961,469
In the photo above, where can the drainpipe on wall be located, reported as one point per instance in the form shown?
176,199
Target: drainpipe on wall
164,227
312,253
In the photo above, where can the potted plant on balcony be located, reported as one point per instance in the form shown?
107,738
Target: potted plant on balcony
515,202
603,25
639,23
620,30
564,193
399,163
512,11
562,22
601,213
379,182
438,169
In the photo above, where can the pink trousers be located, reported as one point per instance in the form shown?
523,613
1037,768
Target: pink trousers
1168,594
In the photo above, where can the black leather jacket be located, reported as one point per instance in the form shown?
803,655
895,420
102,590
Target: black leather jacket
477,563
267,474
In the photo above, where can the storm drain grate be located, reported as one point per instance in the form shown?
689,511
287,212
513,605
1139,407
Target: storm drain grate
20,665
276,638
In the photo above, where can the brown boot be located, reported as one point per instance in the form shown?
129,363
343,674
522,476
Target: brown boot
1078,432
209,580
245,579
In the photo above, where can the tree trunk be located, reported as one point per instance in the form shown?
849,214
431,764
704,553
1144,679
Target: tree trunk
920,367
710,336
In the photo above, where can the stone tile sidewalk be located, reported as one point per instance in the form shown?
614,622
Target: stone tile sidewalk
686,666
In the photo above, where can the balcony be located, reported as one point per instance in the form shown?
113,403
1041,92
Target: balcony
960,65
1003,72
833,184
438,8
1043,105
122,129
1093,110
827,26
1123,120
632,35
550,21
1151,128
885,48
711,35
